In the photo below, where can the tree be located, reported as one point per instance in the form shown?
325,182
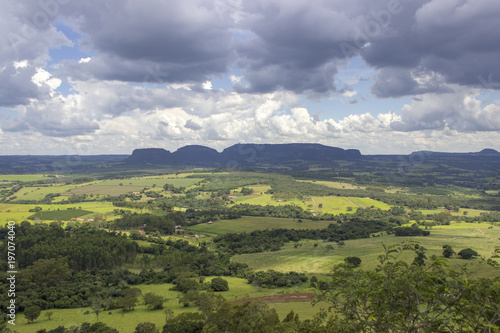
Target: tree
32,312
97,304
96,328
48,314
219,284
248,317
48,272
127,303
153,301
191,322
354,261
467,253
209,302
146,328
448,251
400,297
420,256
246,190
443,218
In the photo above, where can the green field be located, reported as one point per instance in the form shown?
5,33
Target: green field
338,205
39,192
338,185
470,212
319,260
22,178
330,204
104,190
251,223
150,181
126,321
60,214
367,203
19,213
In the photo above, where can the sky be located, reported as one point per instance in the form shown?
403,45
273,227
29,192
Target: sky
381,76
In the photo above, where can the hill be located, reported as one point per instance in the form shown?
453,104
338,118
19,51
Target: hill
246,155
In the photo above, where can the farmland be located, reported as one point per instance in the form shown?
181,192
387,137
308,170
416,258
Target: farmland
251,223
327,219
319,260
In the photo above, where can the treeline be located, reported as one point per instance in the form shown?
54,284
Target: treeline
272,278
181,258
410,231
164,224
273,240
89,249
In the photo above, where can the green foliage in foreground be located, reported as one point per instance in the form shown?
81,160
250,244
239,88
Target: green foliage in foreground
402,297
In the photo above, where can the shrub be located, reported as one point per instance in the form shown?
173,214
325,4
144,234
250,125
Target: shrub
467,253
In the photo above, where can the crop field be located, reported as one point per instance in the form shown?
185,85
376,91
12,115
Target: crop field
251,223
60,214
319,260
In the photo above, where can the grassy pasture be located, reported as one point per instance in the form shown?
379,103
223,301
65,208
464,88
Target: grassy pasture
19,213
267,199
22,178
367,202
251,223
104,190
331,204
339,185
150,181
127,321
470,212
319,260
39,192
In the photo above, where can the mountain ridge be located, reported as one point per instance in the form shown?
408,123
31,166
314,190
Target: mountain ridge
267,154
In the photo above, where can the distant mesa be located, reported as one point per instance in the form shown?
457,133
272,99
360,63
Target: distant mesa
488,151
278,155
243,155
149,155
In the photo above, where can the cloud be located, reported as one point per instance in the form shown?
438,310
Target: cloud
27,36
459,110
151,72
455,40
151,41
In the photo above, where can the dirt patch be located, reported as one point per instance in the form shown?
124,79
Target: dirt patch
298,297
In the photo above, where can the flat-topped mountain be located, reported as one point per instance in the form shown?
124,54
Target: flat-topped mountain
244,155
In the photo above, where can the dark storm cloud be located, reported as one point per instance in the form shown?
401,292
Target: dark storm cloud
418,47
457,40
16,87
294,46
152,41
